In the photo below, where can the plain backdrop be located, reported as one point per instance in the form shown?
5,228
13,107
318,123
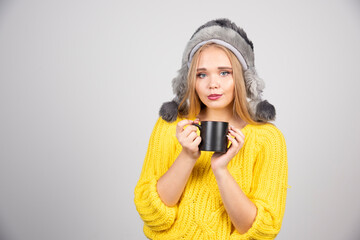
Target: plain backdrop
81,83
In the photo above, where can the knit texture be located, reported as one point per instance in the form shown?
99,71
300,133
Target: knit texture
260,169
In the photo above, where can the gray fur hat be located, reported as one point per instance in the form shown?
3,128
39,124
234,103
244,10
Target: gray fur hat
225,33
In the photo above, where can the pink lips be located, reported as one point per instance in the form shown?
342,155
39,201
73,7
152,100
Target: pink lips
214,96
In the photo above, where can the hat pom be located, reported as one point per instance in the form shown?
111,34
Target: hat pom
265,111
169,111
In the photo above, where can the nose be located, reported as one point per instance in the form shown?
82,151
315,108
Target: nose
213,82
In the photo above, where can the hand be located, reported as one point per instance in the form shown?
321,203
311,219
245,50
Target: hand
188,138
219,161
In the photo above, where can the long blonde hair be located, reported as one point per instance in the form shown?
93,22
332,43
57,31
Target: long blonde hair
240,106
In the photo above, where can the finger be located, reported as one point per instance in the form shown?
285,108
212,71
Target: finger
237,131
238,137
232,140
180,126
197,121
233,146
197,140
189,129
192,136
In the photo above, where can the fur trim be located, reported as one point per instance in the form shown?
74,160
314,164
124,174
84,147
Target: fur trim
252,105
254,84
226,34
226,23
179,83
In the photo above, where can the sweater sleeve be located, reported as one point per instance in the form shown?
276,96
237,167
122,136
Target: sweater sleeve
160,154
269,185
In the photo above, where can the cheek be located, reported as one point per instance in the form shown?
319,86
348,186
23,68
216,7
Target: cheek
230,86
230,89
198,88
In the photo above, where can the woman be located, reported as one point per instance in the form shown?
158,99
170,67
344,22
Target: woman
184,193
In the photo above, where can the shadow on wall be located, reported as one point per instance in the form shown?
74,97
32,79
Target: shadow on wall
357,5
3,8
4,5
3,234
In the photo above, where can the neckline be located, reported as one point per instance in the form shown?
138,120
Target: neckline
245,127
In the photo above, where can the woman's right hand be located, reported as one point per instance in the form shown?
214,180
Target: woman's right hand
188,138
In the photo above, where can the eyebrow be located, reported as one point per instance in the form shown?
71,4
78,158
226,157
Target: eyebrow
220,68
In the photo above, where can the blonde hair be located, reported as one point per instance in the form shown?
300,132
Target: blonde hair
240,106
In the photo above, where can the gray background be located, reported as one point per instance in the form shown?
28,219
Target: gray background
81,83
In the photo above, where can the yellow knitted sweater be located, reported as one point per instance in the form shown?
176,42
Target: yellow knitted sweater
260,169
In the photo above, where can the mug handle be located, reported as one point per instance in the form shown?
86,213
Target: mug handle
197,125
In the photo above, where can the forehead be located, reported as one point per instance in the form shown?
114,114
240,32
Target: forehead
213,57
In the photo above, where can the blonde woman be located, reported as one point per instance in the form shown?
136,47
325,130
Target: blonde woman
185,193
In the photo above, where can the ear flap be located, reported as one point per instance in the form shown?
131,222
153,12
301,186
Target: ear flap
169,110
254,84
179,83
261,111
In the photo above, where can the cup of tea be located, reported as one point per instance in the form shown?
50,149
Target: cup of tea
213,136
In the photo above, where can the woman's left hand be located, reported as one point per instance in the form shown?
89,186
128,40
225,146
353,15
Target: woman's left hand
219,161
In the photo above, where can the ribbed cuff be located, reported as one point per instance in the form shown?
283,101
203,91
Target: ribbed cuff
155,214
263,227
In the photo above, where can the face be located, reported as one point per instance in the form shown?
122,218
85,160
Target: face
214,79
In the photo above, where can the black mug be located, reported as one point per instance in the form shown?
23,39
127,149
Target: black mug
213,136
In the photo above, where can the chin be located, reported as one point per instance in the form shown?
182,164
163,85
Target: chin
216,106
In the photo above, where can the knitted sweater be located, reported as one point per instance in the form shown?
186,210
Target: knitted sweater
260,169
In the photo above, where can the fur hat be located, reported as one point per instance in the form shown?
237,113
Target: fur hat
225,33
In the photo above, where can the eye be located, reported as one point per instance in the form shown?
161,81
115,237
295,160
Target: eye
224,73
201,75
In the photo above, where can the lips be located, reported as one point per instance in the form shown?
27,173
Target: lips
214,96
